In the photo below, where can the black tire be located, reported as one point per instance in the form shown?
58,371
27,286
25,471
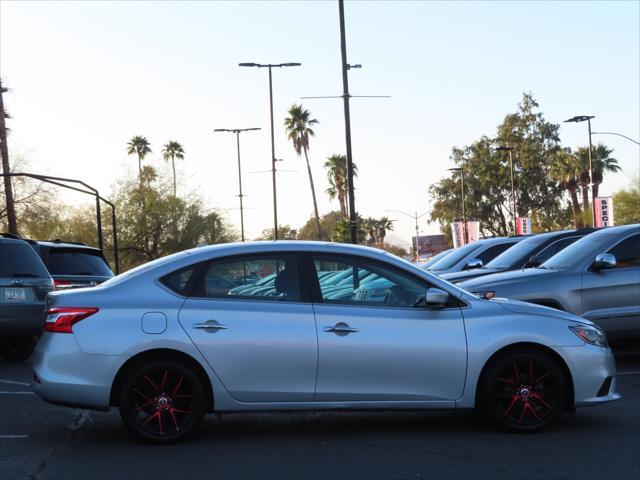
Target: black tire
523,391
19,349
162,401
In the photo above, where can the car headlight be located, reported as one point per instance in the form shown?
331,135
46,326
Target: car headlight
485,294
591,335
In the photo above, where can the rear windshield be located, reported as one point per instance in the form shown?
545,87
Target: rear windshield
455,256
69,261
19,260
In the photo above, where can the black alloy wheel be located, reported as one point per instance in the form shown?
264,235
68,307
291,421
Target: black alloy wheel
524,391
162,401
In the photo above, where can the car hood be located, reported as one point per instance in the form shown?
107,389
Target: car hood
516,306
455,277
506,278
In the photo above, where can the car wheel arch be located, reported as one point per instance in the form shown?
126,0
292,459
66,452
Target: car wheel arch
529,346
160,354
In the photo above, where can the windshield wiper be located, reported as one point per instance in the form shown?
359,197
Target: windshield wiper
29,275
81,273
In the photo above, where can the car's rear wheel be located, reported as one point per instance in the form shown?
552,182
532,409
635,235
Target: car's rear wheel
524,391
18,349
162,401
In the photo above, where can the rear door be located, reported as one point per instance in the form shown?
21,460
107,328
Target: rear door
261,342
378,342
611,297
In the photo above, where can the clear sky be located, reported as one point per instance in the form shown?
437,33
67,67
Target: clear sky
87,76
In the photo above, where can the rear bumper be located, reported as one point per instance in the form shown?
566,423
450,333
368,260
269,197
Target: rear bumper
21,319
65,375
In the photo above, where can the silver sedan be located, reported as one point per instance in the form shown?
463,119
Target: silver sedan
309,326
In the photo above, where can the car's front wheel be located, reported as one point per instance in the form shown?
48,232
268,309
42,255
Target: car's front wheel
162,401
523,391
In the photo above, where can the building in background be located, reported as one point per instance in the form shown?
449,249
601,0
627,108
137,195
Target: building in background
429,245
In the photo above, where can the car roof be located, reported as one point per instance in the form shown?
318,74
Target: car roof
61,244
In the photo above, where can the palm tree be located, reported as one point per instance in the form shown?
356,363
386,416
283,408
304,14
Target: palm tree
370,227
298,127
171,151
383,225
565,169
336,166
602,162
139,146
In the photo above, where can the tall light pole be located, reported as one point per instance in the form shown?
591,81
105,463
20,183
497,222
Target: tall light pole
416,217
587,118
237,132
273,146
464,215
513,191
347,125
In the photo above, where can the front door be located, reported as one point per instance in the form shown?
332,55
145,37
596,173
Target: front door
248,319
377,340
611,297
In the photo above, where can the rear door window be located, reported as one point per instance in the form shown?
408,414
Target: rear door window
76,261
19,260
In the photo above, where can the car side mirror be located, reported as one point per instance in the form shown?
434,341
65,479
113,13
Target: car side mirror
534,261
436,297
604,261
473,264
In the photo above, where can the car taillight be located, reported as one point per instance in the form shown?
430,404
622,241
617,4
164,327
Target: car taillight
60,320
61,283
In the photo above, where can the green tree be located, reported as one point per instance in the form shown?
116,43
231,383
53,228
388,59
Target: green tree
535,144
285,232
602,163
383,225
336,166
171,151
328,226
565,170
626,203
298,127
140,146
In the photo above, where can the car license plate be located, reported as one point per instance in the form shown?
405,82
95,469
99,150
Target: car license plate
14,294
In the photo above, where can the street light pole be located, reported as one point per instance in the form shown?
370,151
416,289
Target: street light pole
617,135
237,132
269,66
464,214
415,217
513,191
587,118
347,126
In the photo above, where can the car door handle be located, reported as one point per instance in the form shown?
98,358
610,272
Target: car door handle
340,328
209,325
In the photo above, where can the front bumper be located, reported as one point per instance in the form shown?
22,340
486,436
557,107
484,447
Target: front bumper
63,374
590,367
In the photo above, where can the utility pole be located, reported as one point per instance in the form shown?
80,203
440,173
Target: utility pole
237,131
587,118
353,229
513,190
4,152
464,214
415,217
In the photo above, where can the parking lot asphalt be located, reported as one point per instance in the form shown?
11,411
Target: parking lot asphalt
42,441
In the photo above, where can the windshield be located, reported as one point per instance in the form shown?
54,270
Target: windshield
577,252
435,259
448,261
20,260
513,257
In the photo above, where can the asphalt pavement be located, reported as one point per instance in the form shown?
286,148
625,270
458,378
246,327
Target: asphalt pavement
42,441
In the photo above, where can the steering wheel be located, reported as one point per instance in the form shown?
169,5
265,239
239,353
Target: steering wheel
397,297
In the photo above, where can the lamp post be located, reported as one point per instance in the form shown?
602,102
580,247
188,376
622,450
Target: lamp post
616,134
416,217
513,191
237,132
464,215
587,118
273,147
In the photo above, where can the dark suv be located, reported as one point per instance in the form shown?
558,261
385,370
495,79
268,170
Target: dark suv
73,265
24,284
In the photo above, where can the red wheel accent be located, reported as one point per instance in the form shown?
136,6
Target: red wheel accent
525,392
160,410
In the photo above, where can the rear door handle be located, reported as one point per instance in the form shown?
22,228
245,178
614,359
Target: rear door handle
209,325
340,328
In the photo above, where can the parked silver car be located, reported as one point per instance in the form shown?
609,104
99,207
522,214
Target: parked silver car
333,327
472,255
597,277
